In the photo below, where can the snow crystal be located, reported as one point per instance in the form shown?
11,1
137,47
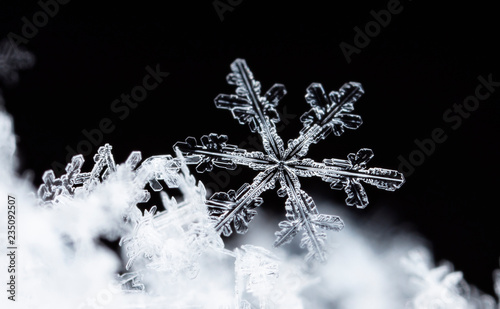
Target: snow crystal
329,113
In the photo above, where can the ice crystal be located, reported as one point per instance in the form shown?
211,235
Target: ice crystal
440,287
256,272
130,282
265,281
74,181
329,113
172,240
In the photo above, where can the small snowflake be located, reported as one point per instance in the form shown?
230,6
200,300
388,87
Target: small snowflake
329,113
74,182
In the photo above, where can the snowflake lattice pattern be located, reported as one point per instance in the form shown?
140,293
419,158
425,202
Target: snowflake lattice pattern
284,164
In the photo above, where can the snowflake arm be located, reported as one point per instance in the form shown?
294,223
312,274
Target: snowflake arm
328,113
155,168
248,106
52,187
302,214
347,175
213,151
238,207
103,161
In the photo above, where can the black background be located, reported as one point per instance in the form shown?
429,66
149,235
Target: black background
427,59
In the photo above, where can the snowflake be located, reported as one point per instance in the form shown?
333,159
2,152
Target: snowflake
75,182
285,164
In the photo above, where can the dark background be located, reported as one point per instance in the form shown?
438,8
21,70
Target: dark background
425,60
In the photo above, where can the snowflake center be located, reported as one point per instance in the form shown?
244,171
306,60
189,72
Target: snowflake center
281,165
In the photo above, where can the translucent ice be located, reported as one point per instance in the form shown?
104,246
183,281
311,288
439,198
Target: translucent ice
284,164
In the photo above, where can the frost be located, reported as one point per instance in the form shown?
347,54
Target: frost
264,279
257,272
440,287
172,240
329,113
